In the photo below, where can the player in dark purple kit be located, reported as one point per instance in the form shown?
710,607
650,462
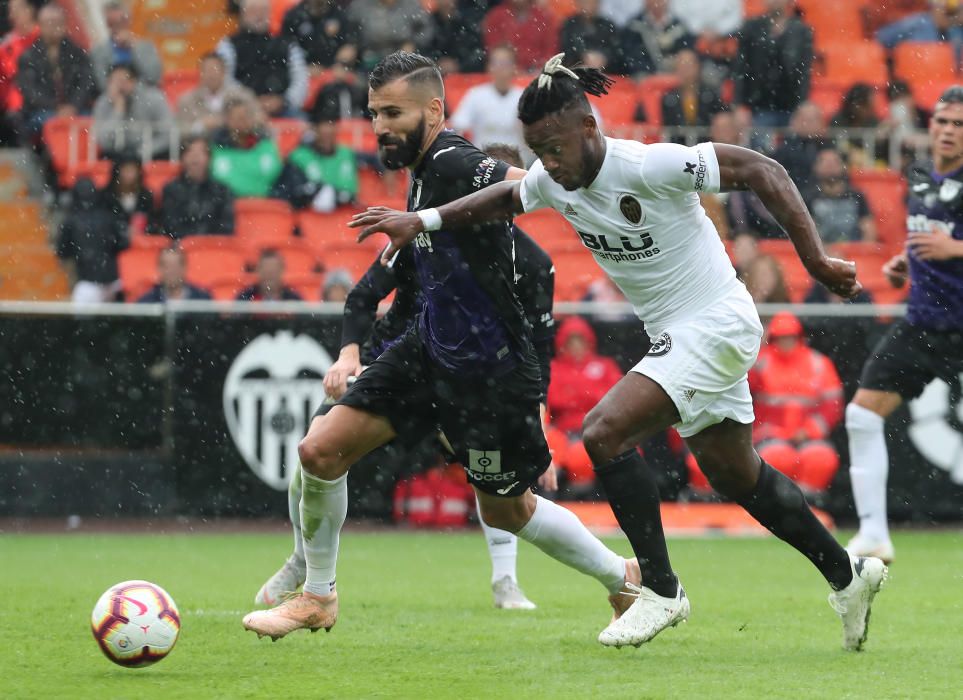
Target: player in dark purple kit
928,343
467,366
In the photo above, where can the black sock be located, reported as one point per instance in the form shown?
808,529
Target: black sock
778,504
634,497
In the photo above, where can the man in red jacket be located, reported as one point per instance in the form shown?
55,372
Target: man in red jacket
23,32
580,378
531,30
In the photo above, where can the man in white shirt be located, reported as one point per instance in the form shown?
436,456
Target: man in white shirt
488,113
636,208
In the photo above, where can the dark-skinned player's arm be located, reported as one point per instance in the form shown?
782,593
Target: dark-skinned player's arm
497,202
743,169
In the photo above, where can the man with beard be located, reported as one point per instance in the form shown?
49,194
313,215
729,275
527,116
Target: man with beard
466,366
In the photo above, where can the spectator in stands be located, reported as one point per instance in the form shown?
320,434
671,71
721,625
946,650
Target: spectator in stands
745,249
806,138
270,285
587,30
772,65
942,22
23,33
243,156
386,26
764,279
91,237
125,195
693,102
131,118
840,212
201,110
270,66
123,48
345,95
903,120
858,111
54,75
714,26
456,44
321,175
171,270
193,203
621,11
488,113
652,39
580,378
879,14
530,29
323,31
337,285
798,400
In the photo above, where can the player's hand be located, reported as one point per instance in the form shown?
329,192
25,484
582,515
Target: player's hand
896,270
401,227
548,481
336,380
838,276
933,246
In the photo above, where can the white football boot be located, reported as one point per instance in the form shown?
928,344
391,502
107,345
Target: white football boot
288,579
862,546
853,603
509,596
646,617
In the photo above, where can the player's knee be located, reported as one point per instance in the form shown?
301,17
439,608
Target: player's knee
601,437
511,514
727,478
318,460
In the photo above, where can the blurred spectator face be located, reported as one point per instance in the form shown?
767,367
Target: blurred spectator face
807,121
270,271
657,8
786,343
53,24
21,15
256,15
212,74
723,128
501,68
196,161
830,172
240,119
117,20
335,292
745,249
687,67
763,280
779,6
946,131
326,136
171,267
577,347
121,81
128,176
594,59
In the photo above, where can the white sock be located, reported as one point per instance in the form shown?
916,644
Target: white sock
294,512
868,469
557,532
502,549
324,507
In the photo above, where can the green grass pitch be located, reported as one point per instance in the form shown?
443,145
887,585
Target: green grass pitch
417,622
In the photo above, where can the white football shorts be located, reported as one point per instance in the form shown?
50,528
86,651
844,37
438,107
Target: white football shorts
702,363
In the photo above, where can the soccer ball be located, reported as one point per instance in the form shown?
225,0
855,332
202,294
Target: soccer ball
135,623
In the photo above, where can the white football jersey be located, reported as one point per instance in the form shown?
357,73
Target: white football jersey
642,220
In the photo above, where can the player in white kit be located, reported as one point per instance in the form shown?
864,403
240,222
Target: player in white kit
636,208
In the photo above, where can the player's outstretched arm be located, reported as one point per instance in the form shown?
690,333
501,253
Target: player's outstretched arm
500,201
743,169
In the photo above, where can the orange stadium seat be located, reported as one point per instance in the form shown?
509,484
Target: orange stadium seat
575,270
797,279
855,62
299,260
926,93
828,94
69,141
262,222
885,192
375,189
227,291
288,133
620,105
97,170
279,8
357,134
321,231
209,266
315,83
139,239
355,259
175,83
549,229
158,173
924,62
208,242
833,22
650,91
138,270
457,84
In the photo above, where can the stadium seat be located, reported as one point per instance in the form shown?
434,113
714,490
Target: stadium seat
355,259
620,105
548,228
208,242
321,231
262,222
279,8
833,22
828,94
927,92
796,277
69,141
457,84
575,270
650,92
357,134
855,62
315,83
139,239
138,270
97,170
158,173
376,189
209,266
288,133
176,83
924,62
885,192
227,291
299,260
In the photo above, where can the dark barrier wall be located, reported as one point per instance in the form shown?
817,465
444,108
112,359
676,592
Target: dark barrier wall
201,412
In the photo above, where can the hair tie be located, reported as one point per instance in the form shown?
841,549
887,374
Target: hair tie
553,66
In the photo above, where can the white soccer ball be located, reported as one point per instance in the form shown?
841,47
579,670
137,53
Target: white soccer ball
135,623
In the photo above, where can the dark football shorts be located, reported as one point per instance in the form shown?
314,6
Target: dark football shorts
492,424
908,358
